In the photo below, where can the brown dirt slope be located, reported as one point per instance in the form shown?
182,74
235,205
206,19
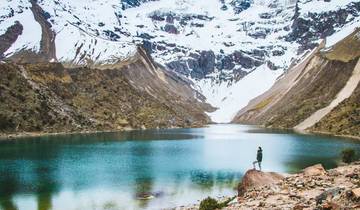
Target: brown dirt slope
316,89
347,49
318,79
343,119
46,97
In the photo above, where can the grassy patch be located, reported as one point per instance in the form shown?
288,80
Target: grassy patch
262,104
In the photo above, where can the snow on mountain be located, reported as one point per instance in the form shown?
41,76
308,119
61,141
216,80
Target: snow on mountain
248,43
341,34
82,28
233,50
180,30
228,98
236,46
31,35
86,29
307,6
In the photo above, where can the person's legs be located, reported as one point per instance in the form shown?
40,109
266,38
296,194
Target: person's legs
254,164
259,165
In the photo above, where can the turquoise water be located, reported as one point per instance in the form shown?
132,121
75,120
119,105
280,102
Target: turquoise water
174,166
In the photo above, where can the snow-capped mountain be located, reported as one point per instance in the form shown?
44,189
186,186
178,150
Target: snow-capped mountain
233,50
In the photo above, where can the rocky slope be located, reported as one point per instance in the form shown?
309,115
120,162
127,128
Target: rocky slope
135,93
222,45
318,94
314,188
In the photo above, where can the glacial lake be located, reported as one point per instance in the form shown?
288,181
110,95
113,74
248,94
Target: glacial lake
171,167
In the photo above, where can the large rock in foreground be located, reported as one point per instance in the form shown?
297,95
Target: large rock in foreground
314,188
254,178
334,189
314,170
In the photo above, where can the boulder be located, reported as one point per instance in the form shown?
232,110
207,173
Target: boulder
314,170
331,206
356,193
254,178
330,193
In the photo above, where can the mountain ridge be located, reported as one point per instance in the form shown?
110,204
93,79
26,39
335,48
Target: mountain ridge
316,85
50,98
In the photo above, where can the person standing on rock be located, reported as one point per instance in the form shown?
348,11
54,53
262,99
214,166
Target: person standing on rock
259,156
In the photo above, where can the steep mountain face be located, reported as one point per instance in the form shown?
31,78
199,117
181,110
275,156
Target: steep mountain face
224,46
47,97
344,119
319,94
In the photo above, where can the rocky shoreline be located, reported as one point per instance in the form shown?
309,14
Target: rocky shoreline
313,188
334,134
11,136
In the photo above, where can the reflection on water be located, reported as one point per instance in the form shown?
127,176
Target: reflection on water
150,169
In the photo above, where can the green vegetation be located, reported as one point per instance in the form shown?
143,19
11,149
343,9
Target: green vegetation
47,97
209,204
262,104
343,119
348,155
212,204
346,50
314,91
6,123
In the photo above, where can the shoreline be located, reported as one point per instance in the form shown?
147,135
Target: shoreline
19,135
336,135
305,189
15,136
306,132
324,133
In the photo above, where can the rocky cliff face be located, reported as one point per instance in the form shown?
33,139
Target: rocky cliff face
308,95
48,97
311,24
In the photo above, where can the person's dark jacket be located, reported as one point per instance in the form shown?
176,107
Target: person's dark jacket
259,155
